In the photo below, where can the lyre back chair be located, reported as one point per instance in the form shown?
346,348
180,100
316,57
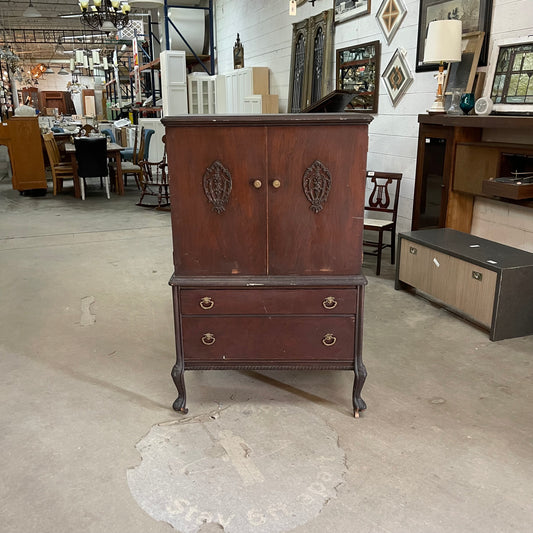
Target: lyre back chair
383,199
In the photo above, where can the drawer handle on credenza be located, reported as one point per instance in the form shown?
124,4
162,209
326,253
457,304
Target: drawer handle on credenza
208,339
329,302
477,275
206,302
329,339
412,250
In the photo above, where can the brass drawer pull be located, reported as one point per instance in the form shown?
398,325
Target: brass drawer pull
412,250
477,275
276,184
329,302
208,339
329,339
257,183
206,302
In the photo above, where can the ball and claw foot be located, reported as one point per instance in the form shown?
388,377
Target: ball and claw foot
359,406
179,405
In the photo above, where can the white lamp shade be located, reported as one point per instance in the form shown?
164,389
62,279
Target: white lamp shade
443,42
31,12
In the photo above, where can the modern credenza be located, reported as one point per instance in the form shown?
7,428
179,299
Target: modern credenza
488,283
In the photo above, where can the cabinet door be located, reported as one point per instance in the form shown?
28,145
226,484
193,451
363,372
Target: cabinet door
325,239
230,239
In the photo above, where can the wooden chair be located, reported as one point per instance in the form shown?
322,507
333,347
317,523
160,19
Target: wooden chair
154,182
133,167
60,170
86,130
383,199
91,155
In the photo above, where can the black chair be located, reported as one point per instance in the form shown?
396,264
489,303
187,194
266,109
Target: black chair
91,154
383,199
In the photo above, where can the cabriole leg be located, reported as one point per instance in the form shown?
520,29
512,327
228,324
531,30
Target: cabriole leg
179,368
359,380
179,381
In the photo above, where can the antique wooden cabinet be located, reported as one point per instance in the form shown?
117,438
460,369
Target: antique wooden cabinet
267,220
22,136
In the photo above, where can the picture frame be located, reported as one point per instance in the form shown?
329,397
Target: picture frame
475,15
357,70
349,9
390,16
397,76
507,77
460,76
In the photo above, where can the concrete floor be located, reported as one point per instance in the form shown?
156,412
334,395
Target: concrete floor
445,445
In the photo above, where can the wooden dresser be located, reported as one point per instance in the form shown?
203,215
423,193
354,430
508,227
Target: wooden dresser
267,221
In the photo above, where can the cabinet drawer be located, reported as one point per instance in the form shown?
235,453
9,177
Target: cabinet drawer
462,285
270,338
268,301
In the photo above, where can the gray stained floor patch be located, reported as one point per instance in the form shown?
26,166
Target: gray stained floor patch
249,468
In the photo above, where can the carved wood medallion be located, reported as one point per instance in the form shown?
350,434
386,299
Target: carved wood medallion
317,184
217,186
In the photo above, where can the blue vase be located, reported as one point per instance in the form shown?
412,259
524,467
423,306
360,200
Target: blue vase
467,102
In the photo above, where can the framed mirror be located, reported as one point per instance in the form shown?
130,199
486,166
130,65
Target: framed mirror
358,71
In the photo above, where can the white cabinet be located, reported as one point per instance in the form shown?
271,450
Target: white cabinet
173,82
202,93
258,104
244,82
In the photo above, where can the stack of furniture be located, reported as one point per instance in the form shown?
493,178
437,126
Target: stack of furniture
268,243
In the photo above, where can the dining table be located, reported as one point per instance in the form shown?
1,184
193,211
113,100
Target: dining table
113,151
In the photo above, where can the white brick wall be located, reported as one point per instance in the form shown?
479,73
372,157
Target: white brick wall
265,30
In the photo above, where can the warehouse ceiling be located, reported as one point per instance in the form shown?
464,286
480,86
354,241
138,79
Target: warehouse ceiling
34,38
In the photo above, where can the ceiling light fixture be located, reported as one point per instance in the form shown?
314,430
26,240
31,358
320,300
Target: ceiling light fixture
31,12
62,71
105,15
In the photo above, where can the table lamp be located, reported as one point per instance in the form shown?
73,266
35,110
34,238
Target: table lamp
443,44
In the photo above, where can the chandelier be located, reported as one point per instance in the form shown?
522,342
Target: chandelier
11,59
105,15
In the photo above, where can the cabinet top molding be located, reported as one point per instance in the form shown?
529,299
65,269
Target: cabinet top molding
286,119
491,121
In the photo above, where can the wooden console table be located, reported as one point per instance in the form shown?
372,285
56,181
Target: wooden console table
267,222
454,158
488,283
